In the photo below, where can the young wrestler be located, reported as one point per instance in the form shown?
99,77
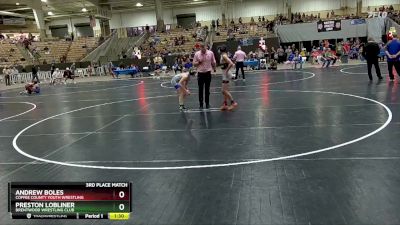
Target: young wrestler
227,64
180,82
32,87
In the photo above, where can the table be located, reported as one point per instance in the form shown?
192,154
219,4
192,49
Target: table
126,72
251,63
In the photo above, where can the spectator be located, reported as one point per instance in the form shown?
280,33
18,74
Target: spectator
73,68
239,58
273,53
327,58
52,68
35,74
273,65
370,53
240,20
68,75
392,53
7,72
298,60
291,59
281,54
252,21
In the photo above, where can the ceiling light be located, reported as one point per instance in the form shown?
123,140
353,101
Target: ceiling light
44,0
50,13
139,4
84,9
196,0
17,3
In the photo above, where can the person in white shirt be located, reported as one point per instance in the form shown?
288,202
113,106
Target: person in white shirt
239,58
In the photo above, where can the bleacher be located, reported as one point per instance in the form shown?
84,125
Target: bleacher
56,49
9,57
80,47
166,40
245,31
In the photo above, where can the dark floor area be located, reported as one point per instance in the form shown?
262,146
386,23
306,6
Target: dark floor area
309,147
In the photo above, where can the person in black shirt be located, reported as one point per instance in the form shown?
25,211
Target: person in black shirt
370,53
35,74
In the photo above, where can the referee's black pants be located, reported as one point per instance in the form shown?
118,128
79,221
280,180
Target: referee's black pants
239,65
204,81
375,63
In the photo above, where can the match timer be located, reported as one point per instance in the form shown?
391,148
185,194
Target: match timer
70,200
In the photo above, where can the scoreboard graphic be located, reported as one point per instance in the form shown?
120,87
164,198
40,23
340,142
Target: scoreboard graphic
71,200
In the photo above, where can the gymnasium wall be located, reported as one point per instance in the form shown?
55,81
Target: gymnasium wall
245,9
136,19
380,2
70,22
315,5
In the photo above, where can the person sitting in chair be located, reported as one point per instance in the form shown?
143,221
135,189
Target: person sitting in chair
68,75
327,58
298,60
273,65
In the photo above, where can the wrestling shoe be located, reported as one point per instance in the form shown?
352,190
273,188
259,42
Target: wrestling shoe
224,107
233,106
183,109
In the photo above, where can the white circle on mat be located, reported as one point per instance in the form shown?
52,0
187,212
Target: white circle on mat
27,103
19,150
163,84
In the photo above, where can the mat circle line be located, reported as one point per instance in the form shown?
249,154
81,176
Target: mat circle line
257,85
27,103
74,92
19,150
358,73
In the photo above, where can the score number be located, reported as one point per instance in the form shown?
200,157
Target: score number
121,195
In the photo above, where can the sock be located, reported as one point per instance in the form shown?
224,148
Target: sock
181,106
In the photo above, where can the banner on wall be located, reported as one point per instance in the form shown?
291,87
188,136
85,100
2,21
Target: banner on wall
246,42
330,25
13,21
377,14
357,21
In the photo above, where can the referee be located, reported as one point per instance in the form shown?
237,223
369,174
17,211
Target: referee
205,62
239,57
370,53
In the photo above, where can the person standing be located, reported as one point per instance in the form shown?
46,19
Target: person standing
370,53
226,65
35,74
205,62
392,53
6,72
52,68
180,83
73,68
239,58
